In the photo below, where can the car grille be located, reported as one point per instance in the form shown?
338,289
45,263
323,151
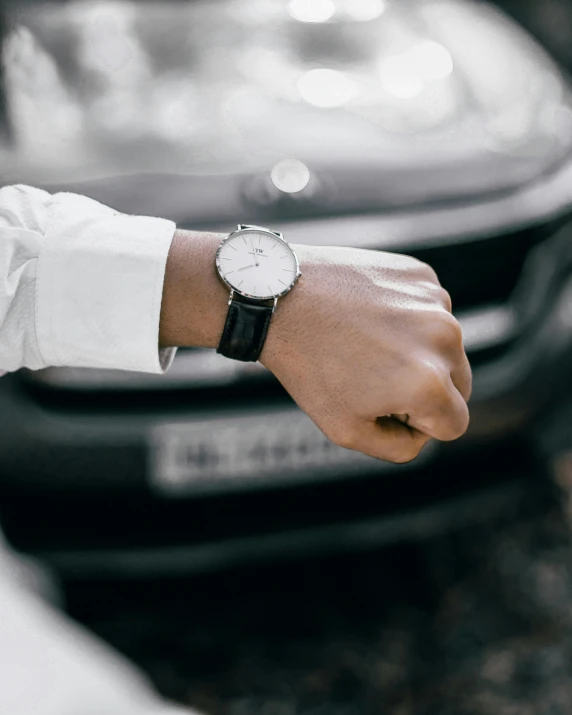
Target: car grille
482,272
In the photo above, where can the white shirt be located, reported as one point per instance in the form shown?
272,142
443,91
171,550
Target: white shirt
80,283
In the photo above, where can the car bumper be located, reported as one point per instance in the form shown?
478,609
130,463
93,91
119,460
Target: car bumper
78,487
79,484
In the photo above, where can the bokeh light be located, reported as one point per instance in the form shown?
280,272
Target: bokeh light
290,175
433,60
311,10
404,74
326,87
363,10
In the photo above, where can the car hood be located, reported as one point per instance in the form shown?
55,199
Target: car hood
259,107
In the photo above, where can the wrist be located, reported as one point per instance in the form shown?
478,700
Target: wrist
291,314
195,302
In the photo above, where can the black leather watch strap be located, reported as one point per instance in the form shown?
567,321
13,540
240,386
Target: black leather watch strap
245,331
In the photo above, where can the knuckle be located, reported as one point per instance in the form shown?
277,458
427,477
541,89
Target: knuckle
415,269
450,322
427,273
431,386
445,299
445,332
455,328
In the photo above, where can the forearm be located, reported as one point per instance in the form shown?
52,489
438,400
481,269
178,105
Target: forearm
194,304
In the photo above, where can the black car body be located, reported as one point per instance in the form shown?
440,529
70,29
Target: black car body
435,129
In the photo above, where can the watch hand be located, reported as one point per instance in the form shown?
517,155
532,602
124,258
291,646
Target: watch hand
252,246
245,267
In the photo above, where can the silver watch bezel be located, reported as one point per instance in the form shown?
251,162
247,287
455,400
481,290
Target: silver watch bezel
242,228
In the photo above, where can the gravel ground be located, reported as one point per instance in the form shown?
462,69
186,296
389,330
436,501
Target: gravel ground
472,623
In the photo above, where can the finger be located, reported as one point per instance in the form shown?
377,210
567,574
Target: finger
444,415
462,377
451,343
448,339
388,439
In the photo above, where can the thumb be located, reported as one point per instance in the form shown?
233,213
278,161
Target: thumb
389,439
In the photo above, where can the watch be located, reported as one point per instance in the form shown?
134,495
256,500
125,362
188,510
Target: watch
259,267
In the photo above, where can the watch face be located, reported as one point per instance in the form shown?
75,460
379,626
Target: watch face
257,264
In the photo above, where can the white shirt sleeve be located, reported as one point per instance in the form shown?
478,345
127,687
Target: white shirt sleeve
80,283
52,666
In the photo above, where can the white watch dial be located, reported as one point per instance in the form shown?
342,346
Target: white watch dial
257,264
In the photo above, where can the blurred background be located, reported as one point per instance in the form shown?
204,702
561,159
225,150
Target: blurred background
199,521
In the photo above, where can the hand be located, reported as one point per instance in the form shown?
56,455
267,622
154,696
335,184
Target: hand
366,341
362,335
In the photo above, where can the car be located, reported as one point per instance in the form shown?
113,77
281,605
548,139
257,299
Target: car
439,130
550,28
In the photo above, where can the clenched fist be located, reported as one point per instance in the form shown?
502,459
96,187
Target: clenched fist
365,342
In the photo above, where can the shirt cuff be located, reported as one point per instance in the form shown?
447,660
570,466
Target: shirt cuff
99,287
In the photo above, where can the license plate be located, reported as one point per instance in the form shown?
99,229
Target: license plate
234,452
